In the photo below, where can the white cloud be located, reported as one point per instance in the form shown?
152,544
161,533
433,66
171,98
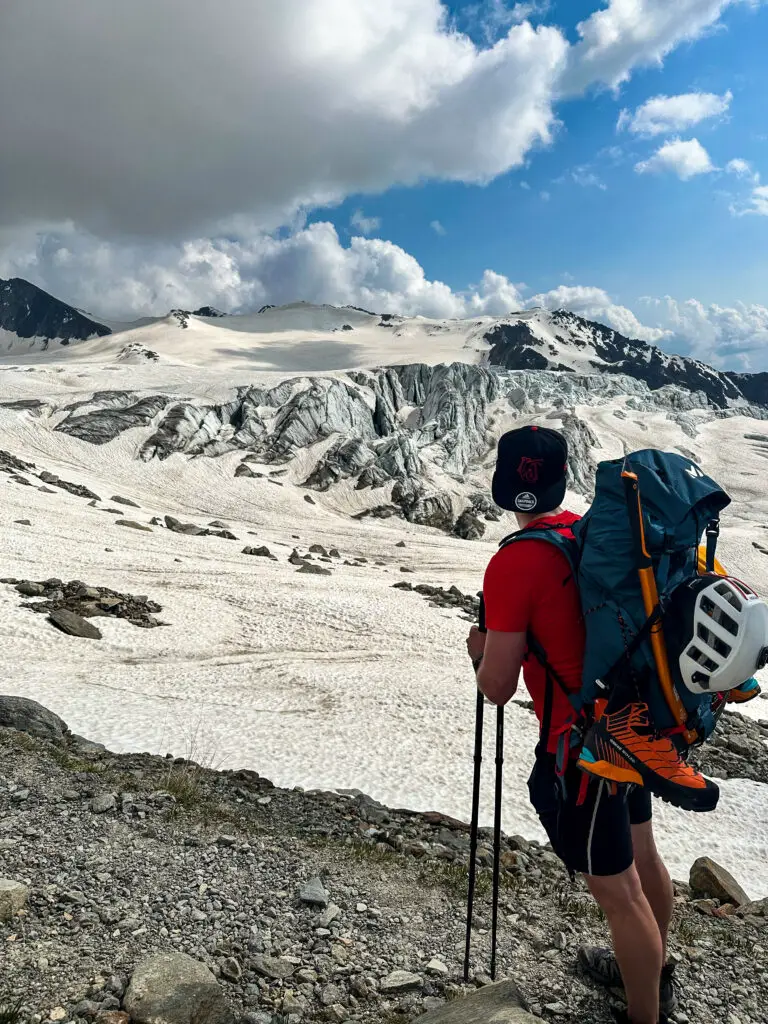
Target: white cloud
743,169
685,158
525,185
758,202
663,115
438,228
635,33
258,109
365,225
723,335
595,304
586,178
545,196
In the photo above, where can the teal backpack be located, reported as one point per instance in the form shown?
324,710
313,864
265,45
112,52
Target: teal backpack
677,505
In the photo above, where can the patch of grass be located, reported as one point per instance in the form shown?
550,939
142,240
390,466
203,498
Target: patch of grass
688,930
574,903
10,1012
70,763
24,741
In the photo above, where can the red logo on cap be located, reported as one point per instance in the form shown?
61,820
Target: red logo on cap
528,470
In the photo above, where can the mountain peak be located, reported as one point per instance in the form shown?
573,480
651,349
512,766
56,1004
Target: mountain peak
29,312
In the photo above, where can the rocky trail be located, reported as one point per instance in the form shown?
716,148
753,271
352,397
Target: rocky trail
156,889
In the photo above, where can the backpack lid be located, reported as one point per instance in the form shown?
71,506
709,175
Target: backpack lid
672,487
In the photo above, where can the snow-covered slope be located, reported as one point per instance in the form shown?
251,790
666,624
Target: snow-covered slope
310,338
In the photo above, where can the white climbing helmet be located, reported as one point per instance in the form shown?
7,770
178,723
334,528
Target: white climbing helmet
723,631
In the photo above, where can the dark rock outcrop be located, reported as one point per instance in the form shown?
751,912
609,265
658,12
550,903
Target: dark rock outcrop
29,312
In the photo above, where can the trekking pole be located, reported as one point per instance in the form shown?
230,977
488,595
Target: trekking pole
497,835
475,808
644,564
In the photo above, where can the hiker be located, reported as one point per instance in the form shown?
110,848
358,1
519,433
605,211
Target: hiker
607,837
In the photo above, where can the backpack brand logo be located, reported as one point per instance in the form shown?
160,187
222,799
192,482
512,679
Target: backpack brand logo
528,470
695,472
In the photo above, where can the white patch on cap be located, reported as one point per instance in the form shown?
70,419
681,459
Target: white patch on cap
526,502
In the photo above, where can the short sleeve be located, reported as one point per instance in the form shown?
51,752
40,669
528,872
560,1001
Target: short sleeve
508,589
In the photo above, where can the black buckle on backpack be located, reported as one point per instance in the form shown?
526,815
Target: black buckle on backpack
713,532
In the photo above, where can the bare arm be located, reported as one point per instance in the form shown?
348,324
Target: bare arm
499,670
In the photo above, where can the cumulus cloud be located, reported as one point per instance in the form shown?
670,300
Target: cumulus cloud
723,335
163,118
365,225
586,178
632,33
438,228
757,201
685,158
491,18
742,169
663,115
596,304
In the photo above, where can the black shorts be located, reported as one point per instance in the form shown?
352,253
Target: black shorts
593,838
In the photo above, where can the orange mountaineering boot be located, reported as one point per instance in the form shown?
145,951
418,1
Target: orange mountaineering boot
624,747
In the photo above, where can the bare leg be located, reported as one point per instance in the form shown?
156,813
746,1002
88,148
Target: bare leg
654,877
636,937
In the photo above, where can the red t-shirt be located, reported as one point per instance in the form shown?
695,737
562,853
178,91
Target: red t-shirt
528,586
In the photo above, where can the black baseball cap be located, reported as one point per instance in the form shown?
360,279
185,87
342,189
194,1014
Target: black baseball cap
531,470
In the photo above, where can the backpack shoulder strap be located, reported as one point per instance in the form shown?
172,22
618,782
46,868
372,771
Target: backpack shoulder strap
550,533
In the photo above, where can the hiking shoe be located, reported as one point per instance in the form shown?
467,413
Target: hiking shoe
747,691
601,965
624,747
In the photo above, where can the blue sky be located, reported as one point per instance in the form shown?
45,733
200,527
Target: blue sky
448,159
643,234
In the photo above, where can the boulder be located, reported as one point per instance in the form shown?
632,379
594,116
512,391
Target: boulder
13,898
273,967
262,552
124,501
709,879
494,1004
314,570
73,624
176,526
28,716
468,526
29,589
133,525
172,988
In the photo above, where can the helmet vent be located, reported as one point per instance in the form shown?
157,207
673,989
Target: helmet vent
730,596
700,658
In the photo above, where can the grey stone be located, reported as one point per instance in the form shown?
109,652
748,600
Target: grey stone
330,914
709,879
231,969
29,589
314,570
124,501
102,803
28,716
133,525
494,1004
401,981
314,893
73,624
261,552
172,988
13,898
273,967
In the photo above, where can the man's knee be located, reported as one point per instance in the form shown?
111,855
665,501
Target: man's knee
617,894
